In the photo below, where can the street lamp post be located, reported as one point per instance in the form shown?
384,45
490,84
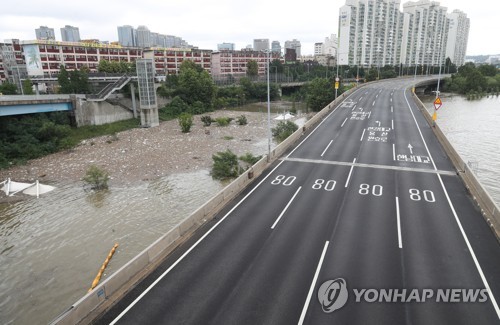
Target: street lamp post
268,111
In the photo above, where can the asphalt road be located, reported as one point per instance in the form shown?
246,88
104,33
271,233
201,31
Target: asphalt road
370,197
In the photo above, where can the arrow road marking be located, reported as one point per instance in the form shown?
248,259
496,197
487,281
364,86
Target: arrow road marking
411,148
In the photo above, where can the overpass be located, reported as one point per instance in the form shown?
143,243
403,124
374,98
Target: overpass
369,200
31,104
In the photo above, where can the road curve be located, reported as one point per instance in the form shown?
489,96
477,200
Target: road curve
369,197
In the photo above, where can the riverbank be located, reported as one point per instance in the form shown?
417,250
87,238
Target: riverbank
143,154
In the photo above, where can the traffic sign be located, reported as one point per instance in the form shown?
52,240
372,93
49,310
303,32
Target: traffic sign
337,79
437,103
336,85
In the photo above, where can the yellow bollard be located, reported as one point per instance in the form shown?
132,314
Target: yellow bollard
103,267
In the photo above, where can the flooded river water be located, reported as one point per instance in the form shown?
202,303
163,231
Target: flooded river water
51,248
472,127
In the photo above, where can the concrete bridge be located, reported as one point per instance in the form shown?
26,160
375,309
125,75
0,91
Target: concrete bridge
31,104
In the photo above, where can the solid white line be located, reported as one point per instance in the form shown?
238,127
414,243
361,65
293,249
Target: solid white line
328,146
286,207
400,240
393,152
350,172
474,258
476,262
189,250
313,285
362,135
392,123
334,110
344,122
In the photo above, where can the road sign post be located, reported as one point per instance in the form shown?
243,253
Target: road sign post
437,103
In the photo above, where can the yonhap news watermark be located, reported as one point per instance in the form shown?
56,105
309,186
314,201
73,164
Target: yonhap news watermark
334,294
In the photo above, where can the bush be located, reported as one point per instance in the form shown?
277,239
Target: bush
225,165
250,159
283,130
185,122
242,120
207,120
223,121
96,178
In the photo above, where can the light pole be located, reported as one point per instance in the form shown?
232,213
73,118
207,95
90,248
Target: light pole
268,111
337,77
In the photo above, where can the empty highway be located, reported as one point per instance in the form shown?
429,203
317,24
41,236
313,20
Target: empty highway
370,197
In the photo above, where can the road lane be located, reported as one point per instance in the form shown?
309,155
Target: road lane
387,225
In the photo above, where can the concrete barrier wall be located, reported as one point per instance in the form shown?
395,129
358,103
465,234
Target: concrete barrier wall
488,207
82,311
98,113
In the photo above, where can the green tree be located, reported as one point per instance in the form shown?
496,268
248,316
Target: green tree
195,85
8,88
185,122
488,70
252,68
372,74
80,81
96,177
475,81
175,108
319,94
64,82
283,130
28,87
225,165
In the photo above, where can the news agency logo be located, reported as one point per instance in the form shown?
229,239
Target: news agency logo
333,294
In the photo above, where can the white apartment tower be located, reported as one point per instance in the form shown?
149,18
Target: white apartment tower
370,33
425,33
330,45
458,35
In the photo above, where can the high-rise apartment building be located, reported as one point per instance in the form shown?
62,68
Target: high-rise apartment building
294,45
378,33
458,35
425,33
370,32
127,36
330,45
45,33
318,49
70,34
261,44
143,37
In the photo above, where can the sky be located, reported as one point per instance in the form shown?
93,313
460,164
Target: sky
205,23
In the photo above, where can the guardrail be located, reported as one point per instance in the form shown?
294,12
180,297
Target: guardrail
131,273
489,208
